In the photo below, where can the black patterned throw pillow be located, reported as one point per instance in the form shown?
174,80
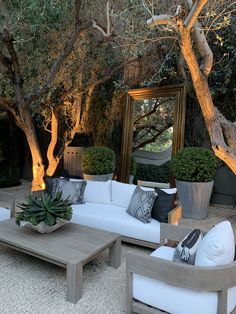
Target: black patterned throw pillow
73,191
186,250
141,203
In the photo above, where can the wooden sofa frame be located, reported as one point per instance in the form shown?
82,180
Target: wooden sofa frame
217,279
173,217
9,199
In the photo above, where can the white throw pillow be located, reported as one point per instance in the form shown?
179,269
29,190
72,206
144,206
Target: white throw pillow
98,192
121,193
217,247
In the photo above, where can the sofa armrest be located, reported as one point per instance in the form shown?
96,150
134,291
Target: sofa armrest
175,214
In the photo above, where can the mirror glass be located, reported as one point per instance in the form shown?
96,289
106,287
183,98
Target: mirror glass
153,126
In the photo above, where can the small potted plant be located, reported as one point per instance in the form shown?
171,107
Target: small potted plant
194,170
44,214
98,163
132,169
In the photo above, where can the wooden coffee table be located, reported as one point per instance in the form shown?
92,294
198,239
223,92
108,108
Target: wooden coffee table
71,247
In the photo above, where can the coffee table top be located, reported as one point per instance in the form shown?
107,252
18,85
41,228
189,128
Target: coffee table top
70,242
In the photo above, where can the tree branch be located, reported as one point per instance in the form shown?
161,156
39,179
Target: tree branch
160,132
7,39
194,13
202,45
149,113
159,20
105,32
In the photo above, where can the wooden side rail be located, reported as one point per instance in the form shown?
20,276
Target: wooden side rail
175,214
9,199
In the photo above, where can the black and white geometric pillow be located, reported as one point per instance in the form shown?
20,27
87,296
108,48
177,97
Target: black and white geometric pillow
141,203
186,250
73,191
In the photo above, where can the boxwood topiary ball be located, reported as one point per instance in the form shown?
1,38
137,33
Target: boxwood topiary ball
98,160
194,164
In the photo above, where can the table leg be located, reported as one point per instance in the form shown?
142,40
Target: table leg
74,276
115,253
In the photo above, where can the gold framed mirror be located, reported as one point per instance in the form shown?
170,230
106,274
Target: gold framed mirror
178,94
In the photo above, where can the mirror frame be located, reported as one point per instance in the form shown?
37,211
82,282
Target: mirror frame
179,92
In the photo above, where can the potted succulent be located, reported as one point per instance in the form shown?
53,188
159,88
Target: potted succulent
194,169
44,214
98,163
132,169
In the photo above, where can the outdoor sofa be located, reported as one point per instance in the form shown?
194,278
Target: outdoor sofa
105,205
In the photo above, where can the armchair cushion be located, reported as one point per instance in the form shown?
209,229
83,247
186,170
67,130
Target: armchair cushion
5,213
217,247
173,299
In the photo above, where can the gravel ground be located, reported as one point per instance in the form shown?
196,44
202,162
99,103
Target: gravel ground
29,285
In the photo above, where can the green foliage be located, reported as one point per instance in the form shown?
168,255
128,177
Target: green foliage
47,208
133,166
98,160
1,154
194,164
154,173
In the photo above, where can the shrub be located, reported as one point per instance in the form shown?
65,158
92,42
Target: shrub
47,208
133,166
153,173
194,164
98,160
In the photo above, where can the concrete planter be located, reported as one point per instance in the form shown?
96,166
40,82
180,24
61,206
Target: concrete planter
195,198
96,177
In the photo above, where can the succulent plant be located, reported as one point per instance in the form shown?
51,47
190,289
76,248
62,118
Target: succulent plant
47,208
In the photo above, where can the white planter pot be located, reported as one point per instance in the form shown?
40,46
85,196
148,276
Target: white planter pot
101,177
42,227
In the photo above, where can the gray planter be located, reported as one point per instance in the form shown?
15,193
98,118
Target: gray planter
131,178
195,198
96,177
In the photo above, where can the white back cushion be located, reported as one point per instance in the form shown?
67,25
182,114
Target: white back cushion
217,247
168,191
98,192
121,193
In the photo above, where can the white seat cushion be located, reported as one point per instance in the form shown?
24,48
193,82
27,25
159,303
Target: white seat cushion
5,213
173,299
115,219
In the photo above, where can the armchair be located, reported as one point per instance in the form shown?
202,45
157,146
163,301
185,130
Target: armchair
156,284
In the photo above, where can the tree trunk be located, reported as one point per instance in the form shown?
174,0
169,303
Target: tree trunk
37,162
52,160
203,93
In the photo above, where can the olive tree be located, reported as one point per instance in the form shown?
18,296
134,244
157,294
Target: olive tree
186,22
